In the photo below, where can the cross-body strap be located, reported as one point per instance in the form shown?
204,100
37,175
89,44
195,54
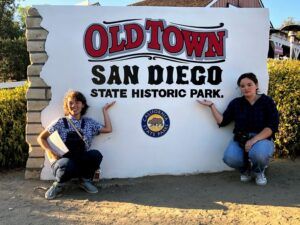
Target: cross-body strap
72,124
67,125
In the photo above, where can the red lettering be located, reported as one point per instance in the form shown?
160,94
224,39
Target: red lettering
177,47
215,44
130,28
194,42
154,27
89,40
115,46
173,39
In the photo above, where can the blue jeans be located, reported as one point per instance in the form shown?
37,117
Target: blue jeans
65,169
259,155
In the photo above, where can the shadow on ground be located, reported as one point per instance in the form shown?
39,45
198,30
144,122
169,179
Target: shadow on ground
203,198
202,191
21,202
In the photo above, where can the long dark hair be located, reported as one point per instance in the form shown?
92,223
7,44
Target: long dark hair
78,97
250,76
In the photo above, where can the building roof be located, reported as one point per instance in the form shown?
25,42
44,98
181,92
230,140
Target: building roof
201,3
180,3
291,27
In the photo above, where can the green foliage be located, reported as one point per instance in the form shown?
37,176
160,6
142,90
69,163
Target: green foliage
8,27
22,14
13,59
285,90
289,21
13,146
13,53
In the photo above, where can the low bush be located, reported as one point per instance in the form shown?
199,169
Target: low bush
284,88
13,146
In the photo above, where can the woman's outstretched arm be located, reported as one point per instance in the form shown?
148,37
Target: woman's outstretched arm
107,128
216,114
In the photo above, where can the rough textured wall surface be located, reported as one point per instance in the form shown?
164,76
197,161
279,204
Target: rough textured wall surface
38,94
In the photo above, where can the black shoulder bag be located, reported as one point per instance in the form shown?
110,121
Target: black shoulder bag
241,138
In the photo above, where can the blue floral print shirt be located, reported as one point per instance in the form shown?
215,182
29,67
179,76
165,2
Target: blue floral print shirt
91,128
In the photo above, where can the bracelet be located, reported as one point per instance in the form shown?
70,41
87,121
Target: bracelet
211,105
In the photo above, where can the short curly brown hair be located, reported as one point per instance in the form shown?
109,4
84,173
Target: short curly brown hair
79,97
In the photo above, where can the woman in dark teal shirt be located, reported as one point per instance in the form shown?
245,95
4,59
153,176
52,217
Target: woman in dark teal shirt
256,121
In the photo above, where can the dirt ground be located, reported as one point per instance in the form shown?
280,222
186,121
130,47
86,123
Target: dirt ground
218,198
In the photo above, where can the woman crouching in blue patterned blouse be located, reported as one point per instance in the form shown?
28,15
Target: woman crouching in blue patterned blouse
80,161
256,122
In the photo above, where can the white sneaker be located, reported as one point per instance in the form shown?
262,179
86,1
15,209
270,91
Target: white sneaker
261,179
245,177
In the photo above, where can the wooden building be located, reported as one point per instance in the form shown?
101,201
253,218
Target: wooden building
279,46
202,3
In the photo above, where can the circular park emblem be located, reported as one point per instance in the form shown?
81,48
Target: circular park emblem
155,123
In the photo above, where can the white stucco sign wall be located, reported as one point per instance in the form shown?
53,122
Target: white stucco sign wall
155,62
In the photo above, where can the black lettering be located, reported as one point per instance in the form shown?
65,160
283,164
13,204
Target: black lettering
170,70
181,75
214,75
96,71
108,93
123,93
201,79
94,93
216,93
114,77
132,75
152,79
135,93
208,93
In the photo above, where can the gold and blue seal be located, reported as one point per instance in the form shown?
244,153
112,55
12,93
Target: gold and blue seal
155,123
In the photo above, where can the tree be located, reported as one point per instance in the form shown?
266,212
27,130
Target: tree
289,21
8,27
13,54
14,59
22,14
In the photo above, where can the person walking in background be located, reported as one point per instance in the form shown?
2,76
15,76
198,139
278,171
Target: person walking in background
256,121
77,132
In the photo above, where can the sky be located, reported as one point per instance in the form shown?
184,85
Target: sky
280,10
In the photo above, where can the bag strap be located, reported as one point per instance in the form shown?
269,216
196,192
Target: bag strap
67,125
72,124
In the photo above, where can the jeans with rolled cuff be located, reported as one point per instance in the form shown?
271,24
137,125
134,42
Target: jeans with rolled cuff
259,155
